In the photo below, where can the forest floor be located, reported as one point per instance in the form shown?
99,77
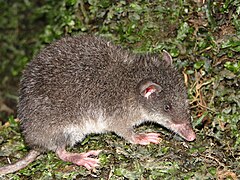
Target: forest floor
204,39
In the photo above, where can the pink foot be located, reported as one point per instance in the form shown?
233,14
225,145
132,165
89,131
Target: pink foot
145,139
81,159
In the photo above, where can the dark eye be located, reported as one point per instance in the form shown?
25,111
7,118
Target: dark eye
167,107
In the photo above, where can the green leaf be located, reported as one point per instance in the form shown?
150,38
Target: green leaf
183,31
232,66
198,64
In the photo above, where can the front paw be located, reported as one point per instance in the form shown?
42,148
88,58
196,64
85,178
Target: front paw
145,139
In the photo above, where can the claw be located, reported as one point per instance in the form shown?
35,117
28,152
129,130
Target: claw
81,159
89,163
145,139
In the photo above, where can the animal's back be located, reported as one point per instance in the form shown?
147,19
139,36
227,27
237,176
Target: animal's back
71,69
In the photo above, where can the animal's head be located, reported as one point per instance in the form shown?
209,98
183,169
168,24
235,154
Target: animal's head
163,99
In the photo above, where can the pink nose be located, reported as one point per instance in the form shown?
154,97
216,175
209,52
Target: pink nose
184,130
191,136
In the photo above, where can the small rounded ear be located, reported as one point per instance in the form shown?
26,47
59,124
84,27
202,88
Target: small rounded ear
167,58
147,87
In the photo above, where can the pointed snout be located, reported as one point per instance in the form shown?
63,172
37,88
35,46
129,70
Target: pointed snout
185,131
191,136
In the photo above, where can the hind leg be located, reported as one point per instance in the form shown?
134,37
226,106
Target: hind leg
81,159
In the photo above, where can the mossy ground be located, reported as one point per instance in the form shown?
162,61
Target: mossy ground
204,39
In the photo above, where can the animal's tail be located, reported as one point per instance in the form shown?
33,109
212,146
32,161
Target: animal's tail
32,155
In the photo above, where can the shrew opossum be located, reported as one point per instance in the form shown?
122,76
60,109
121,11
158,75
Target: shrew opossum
85,84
